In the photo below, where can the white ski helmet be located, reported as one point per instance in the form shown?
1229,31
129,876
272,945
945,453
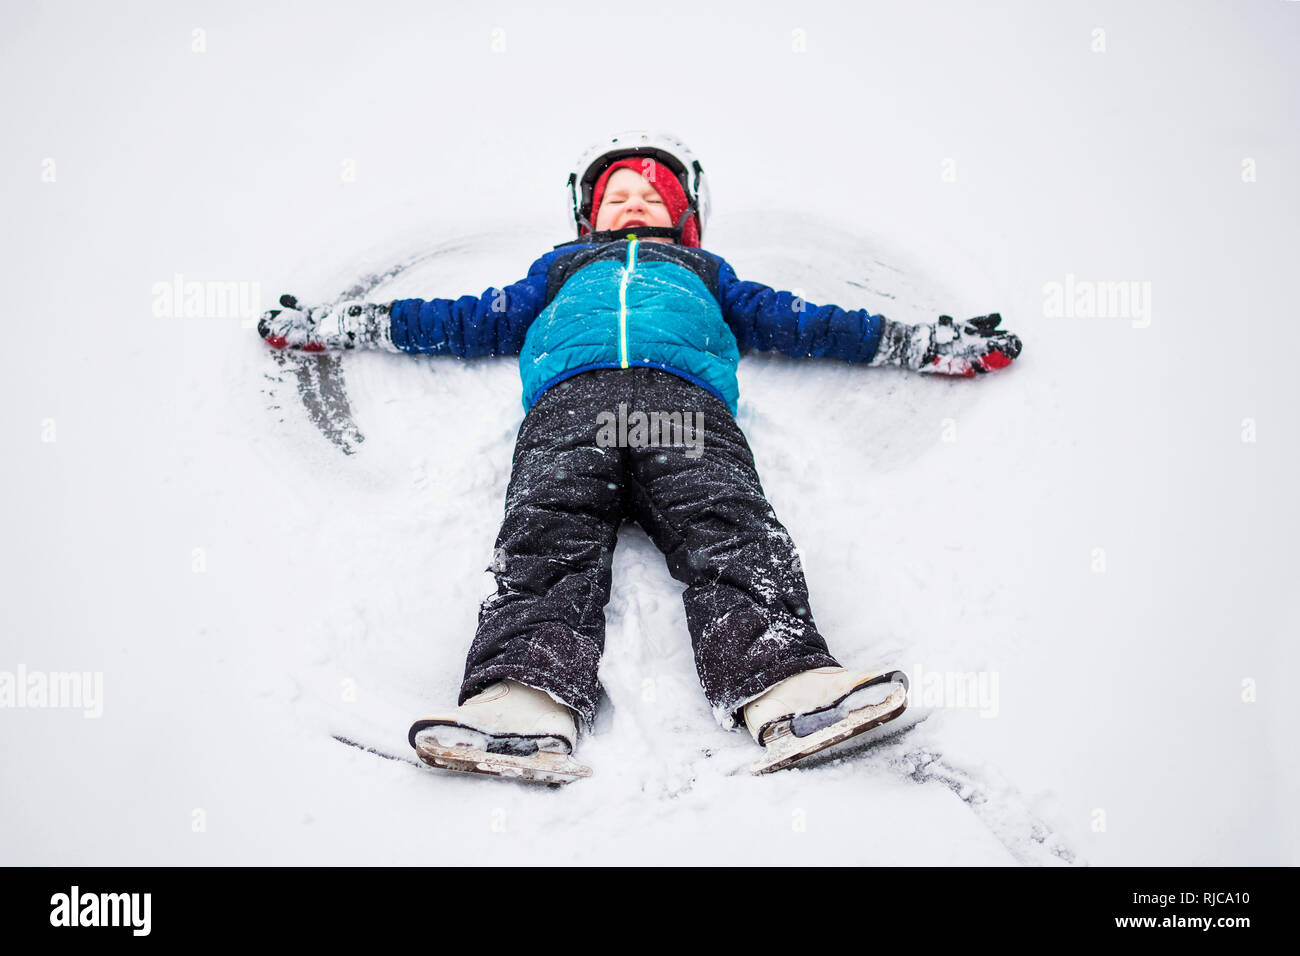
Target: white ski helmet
662,147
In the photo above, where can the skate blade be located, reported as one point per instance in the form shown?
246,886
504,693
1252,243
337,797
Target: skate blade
540,767
788,750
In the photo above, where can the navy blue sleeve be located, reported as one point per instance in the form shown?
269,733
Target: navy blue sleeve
763,319
494,323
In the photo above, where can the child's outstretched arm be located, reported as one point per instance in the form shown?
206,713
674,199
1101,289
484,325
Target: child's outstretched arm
468,327
763,318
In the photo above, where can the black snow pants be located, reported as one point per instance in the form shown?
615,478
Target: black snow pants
577,475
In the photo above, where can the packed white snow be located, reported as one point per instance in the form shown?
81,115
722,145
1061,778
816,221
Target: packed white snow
1083,562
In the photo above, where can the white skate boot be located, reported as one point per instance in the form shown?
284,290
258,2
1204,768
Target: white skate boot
507,730
820,708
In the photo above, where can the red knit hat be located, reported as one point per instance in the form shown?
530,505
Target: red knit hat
664,183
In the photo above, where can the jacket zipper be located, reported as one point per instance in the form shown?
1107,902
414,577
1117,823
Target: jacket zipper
622,302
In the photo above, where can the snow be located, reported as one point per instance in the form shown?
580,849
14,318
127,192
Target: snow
1087,531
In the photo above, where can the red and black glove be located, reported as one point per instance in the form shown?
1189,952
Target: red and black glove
970,348
344,325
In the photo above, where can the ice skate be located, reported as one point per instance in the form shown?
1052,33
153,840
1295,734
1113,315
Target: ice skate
507,730
818,709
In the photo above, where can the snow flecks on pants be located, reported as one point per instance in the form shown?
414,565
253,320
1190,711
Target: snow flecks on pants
746,599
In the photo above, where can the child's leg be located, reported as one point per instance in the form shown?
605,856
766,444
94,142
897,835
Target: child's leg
545,625
746,599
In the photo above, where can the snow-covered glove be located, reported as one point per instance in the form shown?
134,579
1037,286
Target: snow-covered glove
343,325
948,348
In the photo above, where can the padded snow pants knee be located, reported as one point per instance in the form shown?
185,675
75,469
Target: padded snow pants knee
576,477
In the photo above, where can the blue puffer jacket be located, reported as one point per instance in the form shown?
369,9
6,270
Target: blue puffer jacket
629,302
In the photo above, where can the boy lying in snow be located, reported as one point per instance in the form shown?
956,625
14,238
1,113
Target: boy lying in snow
628,340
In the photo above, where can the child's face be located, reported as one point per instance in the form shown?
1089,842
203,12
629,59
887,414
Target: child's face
630,200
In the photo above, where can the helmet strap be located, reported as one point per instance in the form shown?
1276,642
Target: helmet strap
634,232
690,211
641,232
